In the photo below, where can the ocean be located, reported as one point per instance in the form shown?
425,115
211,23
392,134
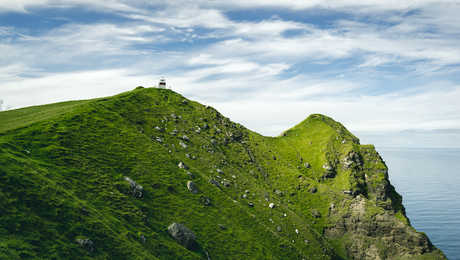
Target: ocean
429,181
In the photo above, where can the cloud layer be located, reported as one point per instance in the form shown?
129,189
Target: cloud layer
373,65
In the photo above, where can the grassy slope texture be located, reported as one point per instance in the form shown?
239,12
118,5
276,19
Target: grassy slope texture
312,193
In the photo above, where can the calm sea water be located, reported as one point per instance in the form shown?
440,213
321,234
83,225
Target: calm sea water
429,181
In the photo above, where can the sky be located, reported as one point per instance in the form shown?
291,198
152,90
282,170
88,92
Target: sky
388,70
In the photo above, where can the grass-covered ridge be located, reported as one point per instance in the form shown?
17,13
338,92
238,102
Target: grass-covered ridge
64,179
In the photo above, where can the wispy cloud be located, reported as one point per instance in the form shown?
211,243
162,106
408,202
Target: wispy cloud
371,64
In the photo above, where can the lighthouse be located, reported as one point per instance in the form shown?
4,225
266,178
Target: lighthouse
162,83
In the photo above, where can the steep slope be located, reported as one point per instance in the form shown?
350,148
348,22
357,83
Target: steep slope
105,178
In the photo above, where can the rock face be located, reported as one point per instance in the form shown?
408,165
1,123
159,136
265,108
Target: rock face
183,235
386,227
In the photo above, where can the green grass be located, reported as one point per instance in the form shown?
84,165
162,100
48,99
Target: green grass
18,118
63,168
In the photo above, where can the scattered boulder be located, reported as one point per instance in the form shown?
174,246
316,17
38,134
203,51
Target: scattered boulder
183,145
250,204
158,139
136,189
182,166
313,190
329,171
205,201
219,171
191,175
307,165
85,243
215,183
315,213
174,132
226,183
222,226
185,138
159,129
143,239
183,235
191,186
278,228
348,192
271,205
279,193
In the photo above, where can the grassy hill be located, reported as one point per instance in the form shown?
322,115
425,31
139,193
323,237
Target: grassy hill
104,178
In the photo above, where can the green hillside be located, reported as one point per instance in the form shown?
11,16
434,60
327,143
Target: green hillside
105,178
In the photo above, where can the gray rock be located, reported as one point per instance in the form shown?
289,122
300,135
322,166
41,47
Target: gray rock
143,239
215,183
158,139
315,213
307,165
219,171
222,226
174,132
278,228
226,183
329,171
183,235
136,189
182,165
313,190
183,144
271,205
85,243
185,138
279,193
191,186
205,201
250,204
190,175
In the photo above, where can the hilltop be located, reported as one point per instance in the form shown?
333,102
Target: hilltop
149,174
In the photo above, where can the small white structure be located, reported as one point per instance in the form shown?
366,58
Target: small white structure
162,83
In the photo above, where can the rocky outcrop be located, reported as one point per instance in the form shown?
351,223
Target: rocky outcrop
374,225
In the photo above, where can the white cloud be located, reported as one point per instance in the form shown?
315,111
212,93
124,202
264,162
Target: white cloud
250,69
71,86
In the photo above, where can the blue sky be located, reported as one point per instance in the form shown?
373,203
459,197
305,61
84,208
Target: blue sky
384,69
